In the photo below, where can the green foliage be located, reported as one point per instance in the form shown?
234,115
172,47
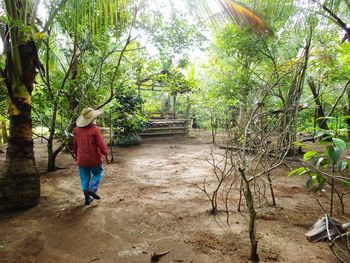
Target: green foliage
96,16
127,140
126,114
173,36
175,82
324,165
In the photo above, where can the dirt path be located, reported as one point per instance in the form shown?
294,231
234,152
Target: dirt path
150,204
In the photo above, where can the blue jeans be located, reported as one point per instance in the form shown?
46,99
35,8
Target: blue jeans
90,177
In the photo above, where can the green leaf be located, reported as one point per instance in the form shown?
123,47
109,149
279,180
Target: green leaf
340,144
345,182
325,165
311,181
309,155
320,161
333,153
326,118
321,182
299,171
39,35
345,117
299,144
348,164
302,145
341,165
319,133
325,141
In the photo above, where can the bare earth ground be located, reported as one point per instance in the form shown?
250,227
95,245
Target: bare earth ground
150,204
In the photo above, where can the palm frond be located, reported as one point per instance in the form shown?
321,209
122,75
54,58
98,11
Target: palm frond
244,16
97,15
237,12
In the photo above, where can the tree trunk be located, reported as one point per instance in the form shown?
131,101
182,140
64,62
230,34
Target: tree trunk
4,132
174,107
254,257
72,95
244,94
19,180
291,110
51,164
319,112
347,109
242,119
188,107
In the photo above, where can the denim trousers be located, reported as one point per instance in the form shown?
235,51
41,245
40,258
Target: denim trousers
90,177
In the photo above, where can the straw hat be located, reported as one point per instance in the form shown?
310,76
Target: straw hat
87,116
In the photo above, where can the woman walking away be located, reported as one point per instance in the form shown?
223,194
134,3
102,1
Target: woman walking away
88,150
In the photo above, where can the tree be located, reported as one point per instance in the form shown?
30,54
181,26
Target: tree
19,180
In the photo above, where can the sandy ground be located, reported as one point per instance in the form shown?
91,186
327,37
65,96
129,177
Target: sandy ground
150,204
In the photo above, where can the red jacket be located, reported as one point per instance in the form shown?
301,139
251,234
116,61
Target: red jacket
89,146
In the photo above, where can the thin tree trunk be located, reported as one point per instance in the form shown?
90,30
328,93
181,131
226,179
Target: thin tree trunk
319,108
214,127
111,136
4,132
52,154
174,107
252,217
348,112
51,165
188,106
271,189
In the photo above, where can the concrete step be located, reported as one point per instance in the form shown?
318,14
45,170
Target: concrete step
164,129
150,134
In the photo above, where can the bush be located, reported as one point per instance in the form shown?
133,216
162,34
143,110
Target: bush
127,140
127,117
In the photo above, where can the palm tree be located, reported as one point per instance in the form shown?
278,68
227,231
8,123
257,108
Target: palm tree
19,180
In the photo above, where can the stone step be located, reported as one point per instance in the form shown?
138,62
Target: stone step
160,127
164,128
150,134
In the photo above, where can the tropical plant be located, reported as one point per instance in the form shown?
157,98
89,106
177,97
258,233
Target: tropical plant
327,167
20,188
127,117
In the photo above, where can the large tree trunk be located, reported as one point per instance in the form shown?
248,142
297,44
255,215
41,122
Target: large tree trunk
19,180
